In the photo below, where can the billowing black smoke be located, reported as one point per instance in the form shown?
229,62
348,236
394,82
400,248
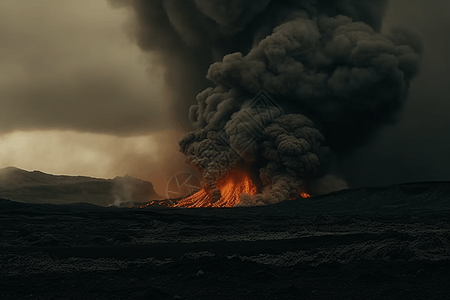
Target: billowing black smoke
321,61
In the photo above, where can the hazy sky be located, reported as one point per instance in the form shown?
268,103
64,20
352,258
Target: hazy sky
78,97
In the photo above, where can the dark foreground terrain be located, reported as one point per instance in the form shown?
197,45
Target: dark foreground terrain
391,243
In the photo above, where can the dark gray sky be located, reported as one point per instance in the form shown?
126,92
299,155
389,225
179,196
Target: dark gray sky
417,148
77,96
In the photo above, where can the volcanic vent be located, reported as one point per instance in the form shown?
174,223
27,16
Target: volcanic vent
231,186
275,159
333,79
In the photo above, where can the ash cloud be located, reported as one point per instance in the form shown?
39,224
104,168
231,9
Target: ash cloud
325,63
291,149
341,73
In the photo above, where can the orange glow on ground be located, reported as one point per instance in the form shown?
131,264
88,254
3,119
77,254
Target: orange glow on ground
231,186
305,195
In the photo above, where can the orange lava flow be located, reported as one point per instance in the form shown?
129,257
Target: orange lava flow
151,203
305,195
231,186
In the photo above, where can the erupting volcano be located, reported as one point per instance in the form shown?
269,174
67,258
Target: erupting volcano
234,185
231,186
294,86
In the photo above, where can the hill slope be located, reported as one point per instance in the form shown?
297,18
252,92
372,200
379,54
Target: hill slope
38,187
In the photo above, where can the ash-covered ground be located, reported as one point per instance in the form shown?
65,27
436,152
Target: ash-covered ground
385,243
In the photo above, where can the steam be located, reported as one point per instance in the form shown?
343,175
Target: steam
129,190
122,191
325,63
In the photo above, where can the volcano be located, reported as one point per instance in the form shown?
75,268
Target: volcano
231,187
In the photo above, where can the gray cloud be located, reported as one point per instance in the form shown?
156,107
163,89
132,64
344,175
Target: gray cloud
292,149
342,74
68,66
187,36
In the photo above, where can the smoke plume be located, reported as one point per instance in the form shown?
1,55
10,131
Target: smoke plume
324,63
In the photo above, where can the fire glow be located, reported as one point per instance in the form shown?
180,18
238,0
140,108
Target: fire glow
232,186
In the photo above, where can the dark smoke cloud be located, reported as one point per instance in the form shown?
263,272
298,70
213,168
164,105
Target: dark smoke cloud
341,73
291,149
322,61
189,35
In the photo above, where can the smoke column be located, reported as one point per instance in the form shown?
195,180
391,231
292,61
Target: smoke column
324,62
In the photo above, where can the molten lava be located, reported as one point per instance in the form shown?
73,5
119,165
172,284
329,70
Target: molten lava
305,195
160,203
231,186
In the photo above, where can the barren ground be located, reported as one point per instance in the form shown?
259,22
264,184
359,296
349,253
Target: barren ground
391,243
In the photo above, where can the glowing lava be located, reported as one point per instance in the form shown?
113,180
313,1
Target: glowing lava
231,186
160,203
305,195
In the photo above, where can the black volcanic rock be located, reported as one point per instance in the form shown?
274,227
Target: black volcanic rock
38,187
385,243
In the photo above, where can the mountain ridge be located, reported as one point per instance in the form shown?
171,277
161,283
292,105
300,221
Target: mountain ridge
39,187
